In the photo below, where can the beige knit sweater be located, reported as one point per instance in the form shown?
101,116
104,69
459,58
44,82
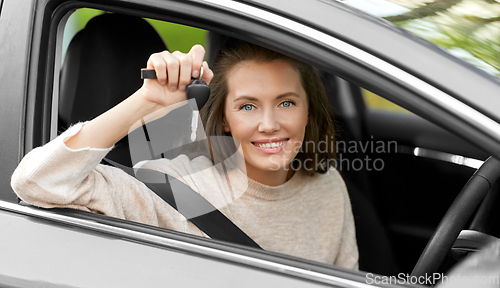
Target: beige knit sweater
308,217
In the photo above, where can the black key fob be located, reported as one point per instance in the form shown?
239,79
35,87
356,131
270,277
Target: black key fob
198,89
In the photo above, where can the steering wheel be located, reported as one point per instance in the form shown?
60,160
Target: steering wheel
456,217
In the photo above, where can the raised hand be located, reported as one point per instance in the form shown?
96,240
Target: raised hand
174,72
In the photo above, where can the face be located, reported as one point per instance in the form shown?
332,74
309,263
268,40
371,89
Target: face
266,110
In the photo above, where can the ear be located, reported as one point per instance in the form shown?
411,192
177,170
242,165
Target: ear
225,125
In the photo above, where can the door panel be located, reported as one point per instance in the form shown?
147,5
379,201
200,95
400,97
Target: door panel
50,254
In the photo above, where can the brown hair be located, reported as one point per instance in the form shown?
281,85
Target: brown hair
320,124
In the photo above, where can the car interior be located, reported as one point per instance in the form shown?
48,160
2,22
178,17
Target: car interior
399,191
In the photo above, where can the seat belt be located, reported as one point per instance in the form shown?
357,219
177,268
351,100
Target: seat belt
215,224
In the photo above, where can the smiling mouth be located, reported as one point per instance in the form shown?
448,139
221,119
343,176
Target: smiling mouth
270,144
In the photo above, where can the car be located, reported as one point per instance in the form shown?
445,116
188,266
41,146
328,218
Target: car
403,171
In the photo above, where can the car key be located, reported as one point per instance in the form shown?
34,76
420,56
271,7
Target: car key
197,89
200,91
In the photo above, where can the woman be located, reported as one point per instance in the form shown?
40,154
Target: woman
291,201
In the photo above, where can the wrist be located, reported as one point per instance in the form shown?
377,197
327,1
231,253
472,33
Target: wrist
143,106
144,111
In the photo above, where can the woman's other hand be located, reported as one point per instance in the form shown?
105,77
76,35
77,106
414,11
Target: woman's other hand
174,71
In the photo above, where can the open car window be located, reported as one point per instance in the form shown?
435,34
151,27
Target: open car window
93,77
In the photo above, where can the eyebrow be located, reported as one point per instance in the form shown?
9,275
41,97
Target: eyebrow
250,98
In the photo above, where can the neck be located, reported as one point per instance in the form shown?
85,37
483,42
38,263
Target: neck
270,178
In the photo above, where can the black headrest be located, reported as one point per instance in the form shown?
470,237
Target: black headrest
102,68
102,65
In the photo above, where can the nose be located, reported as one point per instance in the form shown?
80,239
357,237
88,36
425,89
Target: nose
268,122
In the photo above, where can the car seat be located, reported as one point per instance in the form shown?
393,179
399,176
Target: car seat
375,249
102,67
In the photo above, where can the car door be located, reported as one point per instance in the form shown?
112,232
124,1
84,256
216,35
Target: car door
312,36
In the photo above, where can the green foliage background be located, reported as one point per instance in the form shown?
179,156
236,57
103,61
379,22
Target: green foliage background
468,29
177,37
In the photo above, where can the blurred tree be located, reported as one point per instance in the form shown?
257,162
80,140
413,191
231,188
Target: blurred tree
428,9
469,29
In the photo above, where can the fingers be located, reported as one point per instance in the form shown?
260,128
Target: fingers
158,62
197,53
185,64
208,74
176,69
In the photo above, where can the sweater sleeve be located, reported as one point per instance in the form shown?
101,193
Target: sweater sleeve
56,176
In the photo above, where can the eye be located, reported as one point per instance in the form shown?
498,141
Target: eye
287,103
246,107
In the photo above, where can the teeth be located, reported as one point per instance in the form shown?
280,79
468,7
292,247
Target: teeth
270,145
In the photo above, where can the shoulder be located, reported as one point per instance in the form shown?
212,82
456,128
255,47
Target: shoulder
330,178
328,185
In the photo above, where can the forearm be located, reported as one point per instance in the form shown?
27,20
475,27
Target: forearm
51,173
165,92
108,128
